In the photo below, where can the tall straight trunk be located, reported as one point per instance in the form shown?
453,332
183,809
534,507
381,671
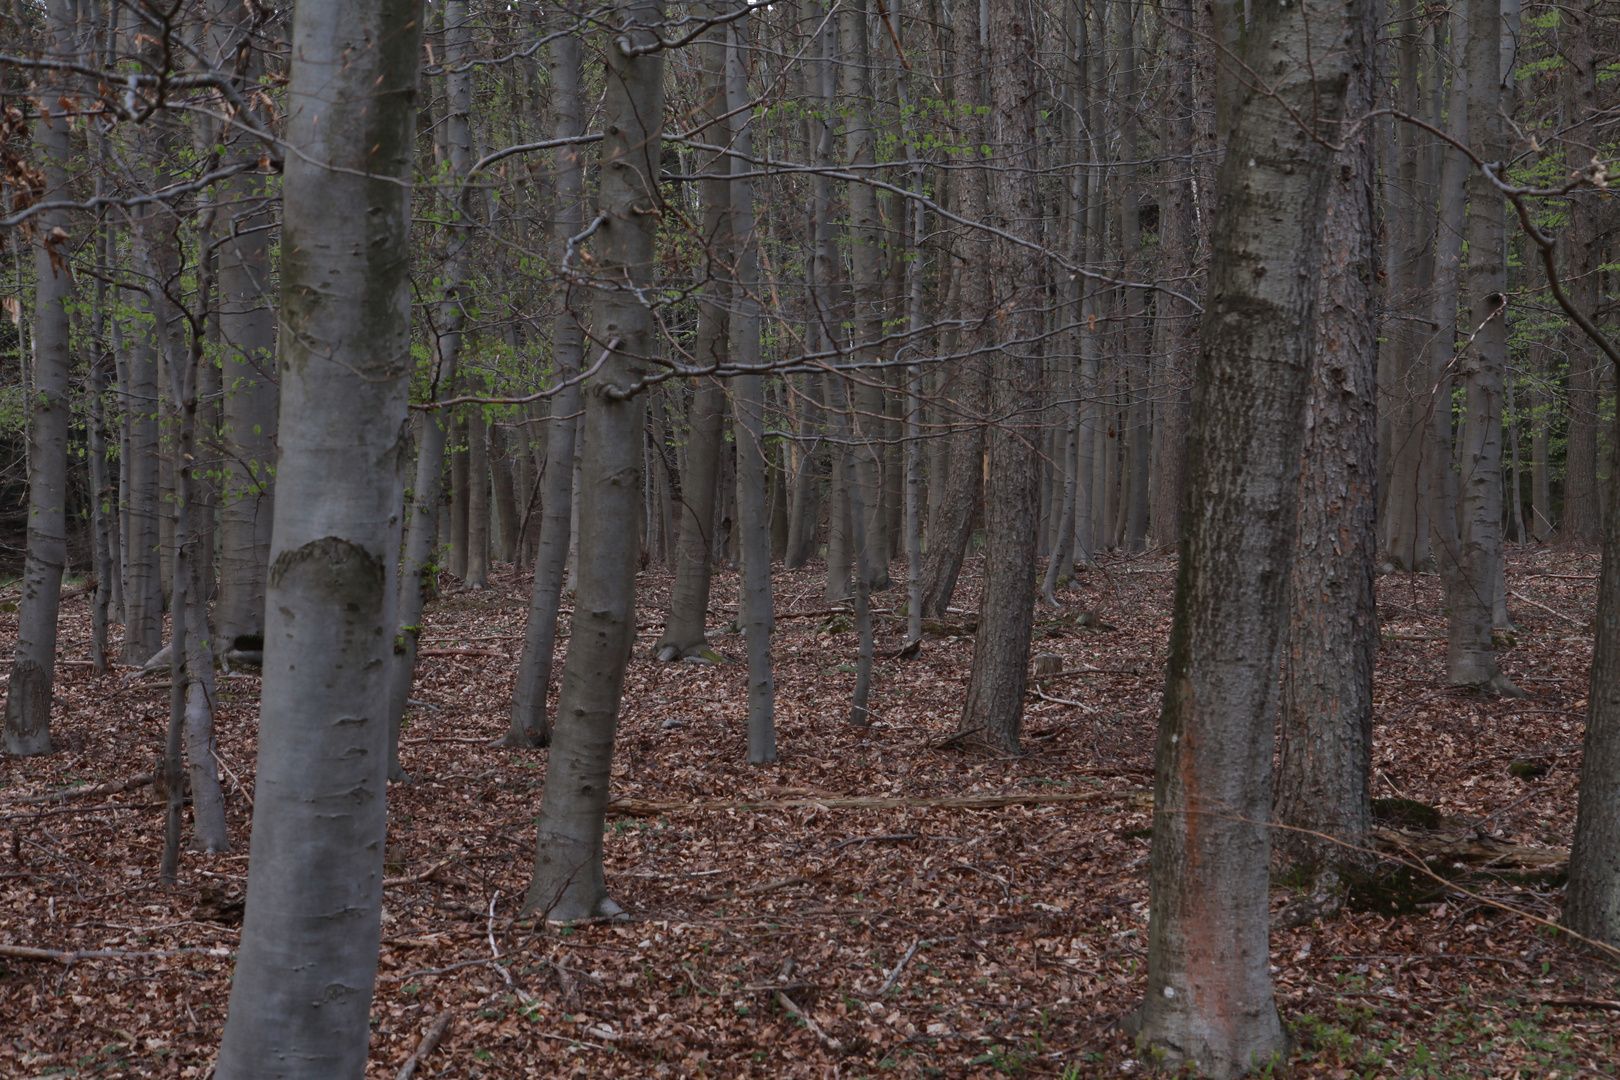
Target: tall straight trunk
964,479
1592,897
1209,995
754,612
684,626
1541,515
1179,240
1327,674
477,500
568,877
529,723
504,496
1470,652
247,330
994,708
418,576
1581,520
301,995
103,495
459,499
1137,367
866,286
1405,501
33,665
143,590
804,478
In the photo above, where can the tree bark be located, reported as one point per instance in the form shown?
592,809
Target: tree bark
1327,678
684,627
754,611
1209,996
568,877
994,708
477,500
301,995
33,666
529,723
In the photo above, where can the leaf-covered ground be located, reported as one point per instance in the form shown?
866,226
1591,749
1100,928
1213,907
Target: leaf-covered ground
765,941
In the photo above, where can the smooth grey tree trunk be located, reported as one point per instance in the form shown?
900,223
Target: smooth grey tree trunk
418,577
1325,762
568,877
1470,651
530,725
301,995
1209,994
33,665
754,611
685,625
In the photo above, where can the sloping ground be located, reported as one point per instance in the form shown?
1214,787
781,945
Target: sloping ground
840,913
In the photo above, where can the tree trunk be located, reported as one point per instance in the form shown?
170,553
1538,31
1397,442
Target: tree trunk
247,330
1179,239
301,995
419,572
1470,654
994,708
504,499
754,611
33,665
1327,678
477,500
1209,997
684,627
1581,520
530,725
568,878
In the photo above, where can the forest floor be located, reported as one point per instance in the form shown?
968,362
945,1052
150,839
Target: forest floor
802,937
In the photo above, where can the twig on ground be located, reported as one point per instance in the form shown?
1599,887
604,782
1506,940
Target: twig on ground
429,1043
86,792
888,982
1548,610
805,1018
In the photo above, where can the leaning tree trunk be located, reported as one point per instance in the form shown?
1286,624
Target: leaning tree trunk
568,878
1327,680
529,723
301,996
994,710
1209,997
754,611
684,627
33,665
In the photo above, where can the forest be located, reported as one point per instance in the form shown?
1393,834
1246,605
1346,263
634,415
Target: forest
816,538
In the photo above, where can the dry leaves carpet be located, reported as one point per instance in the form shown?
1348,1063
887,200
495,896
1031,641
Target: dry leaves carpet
802,938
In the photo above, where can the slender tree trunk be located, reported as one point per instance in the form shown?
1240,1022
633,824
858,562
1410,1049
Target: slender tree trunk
1209,996
1179,239
301,995
247,330
684,627
33,665
1327,678
754,611
477,500
1470,654
568,877
419,573
1541,525
1581,520
505,499
530,725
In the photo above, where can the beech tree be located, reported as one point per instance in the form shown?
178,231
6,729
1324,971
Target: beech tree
301,995
1209,998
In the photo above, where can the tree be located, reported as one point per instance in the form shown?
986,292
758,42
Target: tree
995,697
1326,721
302,990
33,665
1209,998
568,880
